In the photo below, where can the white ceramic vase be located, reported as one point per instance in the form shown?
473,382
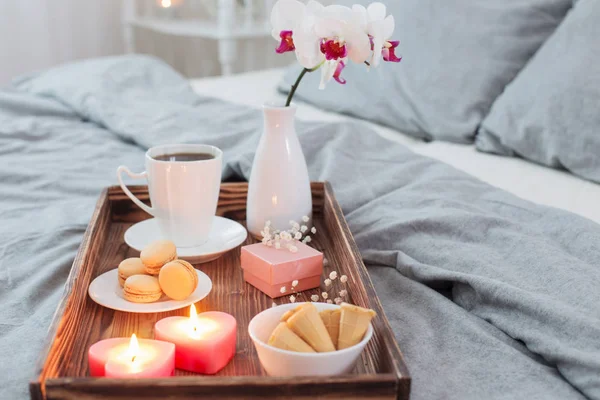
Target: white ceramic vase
279,187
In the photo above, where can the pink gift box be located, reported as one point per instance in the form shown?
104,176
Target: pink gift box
268,269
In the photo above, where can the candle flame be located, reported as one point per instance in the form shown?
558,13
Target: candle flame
194,317
134,348
165,3
199,326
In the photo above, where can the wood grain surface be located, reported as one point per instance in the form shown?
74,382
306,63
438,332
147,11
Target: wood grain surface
62,372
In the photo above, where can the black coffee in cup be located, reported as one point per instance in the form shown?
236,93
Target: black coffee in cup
184,157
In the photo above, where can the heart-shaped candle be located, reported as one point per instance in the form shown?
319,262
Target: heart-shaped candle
204,343
127,358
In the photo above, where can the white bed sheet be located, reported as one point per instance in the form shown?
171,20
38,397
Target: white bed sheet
533,182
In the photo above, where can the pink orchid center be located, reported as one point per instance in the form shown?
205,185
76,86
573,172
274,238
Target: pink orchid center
389,51
287,43
333,49
338,72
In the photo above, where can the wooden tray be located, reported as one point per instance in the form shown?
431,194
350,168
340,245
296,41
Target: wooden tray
62,372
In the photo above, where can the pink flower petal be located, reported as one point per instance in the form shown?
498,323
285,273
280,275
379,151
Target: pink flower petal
337,73
287,43
333,50
389,51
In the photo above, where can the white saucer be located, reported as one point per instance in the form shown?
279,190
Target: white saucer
106,291
225,235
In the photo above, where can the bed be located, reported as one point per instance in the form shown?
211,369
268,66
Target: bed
477,215
490,295
527,180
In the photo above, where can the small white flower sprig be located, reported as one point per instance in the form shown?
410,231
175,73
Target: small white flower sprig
287,239
339,295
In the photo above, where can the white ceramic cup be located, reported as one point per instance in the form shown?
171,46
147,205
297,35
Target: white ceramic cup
184,194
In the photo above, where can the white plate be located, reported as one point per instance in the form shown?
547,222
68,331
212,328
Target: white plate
225,235
106,291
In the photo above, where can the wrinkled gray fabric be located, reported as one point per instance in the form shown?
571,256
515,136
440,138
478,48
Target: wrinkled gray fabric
457,58
549,113
489,296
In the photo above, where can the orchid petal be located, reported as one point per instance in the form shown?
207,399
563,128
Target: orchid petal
329,27
314,7
324,75
381,29
308,51
387,27
338,72
284,16
360,16
334,50
342,13
307,43
332,20
309,62
389,52
287,43
376,11
377,48
358,43
327,72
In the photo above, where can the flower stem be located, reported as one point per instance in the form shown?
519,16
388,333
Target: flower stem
295,85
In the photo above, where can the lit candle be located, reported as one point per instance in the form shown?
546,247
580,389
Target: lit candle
204,343
169,3
131,358
167,8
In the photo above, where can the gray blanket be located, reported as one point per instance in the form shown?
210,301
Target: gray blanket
490,296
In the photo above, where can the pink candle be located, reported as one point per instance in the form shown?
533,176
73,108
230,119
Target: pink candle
204,343
130,358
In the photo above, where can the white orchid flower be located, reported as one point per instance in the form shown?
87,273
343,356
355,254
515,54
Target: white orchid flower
308,51
341,35
341,38
293,24
327,37
379,28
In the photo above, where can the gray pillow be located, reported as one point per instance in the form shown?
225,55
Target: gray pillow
457,58
550,113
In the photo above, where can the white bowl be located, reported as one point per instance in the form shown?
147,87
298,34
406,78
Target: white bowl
278,362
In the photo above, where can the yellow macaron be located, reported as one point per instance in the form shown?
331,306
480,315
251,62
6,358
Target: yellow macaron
129,267
178,279
157,254
142,289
